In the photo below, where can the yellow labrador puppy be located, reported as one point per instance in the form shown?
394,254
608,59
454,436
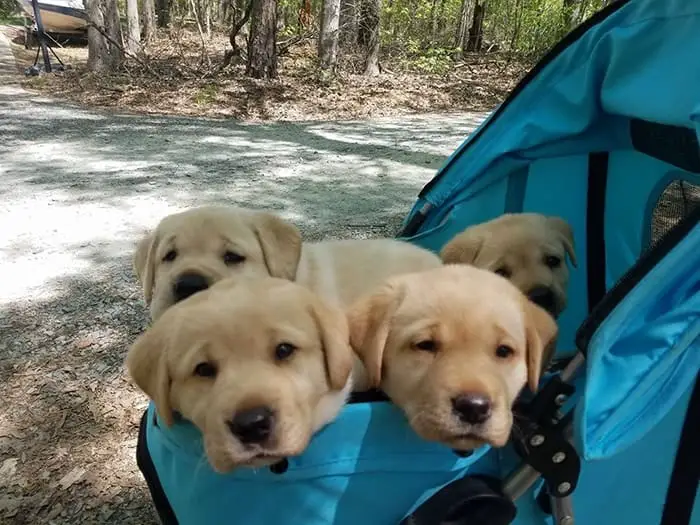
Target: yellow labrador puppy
258,365
452,347
191,250
529,249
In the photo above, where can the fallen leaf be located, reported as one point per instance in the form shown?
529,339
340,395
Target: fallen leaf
10,506
8,468
74,476
55,511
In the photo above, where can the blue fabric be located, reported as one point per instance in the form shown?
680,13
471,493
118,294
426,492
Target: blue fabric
368,467
390,473
644,357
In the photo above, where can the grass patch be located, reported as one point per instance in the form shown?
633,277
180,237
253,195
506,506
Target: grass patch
207,94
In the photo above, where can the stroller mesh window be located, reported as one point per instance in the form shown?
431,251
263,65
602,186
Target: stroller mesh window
677,201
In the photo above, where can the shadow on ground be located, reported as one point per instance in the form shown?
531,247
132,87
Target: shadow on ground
104,158
69,417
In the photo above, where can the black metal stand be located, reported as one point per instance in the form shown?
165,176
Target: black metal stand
44,47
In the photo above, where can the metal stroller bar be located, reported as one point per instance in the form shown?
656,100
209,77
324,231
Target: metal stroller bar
522,479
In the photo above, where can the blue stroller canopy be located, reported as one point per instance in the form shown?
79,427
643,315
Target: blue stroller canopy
603,133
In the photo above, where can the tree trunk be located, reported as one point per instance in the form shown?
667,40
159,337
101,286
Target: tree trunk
224,11
262,42
207,18
328,38
104,41
148,21
517,16
133,28
163,12
348,21
476,31
237,26
304,15
368,35
462,36
433,22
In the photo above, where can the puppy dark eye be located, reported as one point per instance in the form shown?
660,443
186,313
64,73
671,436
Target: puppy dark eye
552,261
205,370
232,258
284,351
427,345
503,271
504,352
170,256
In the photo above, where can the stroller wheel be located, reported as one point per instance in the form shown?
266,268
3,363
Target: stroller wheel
473,500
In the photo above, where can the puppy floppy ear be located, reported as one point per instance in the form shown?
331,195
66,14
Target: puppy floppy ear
333,327
541,331
464,248
567,236
147,365
145,264
281,245
370,322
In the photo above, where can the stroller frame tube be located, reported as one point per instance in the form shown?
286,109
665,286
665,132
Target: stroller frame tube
523,478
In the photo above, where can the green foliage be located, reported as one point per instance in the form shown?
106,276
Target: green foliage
435,60
10,12
424,32
527,27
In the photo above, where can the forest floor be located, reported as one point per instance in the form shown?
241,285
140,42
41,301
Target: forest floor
180,75
79,187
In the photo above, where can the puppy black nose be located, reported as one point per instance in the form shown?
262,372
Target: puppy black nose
189,284
253,425
543,296
472,407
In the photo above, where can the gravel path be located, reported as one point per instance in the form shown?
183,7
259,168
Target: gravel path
77,190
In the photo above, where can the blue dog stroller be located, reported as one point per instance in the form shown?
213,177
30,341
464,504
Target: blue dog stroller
603,132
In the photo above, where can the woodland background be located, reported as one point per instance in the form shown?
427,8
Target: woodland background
296,59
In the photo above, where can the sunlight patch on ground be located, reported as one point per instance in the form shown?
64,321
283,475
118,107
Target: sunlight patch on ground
73,155
31,275
68,235
249,147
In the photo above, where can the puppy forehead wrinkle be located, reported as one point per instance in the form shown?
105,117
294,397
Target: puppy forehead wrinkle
472,301
228,242
289,333
250,311
191,355
169,239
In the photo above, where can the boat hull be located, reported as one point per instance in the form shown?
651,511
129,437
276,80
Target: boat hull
59,16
